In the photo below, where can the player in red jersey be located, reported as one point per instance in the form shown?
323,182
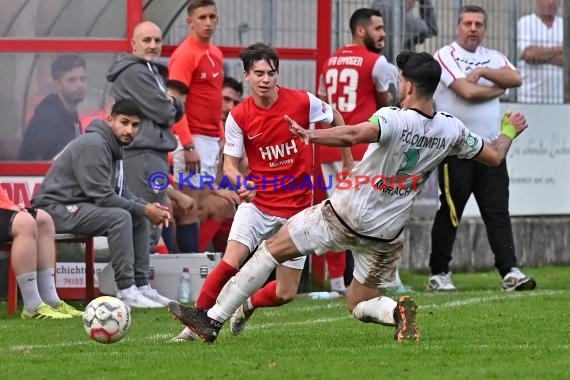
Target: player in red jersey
279,184
357,80
198,65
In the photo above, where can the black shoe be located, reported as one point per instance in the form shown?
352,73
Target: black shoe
196,320
405,318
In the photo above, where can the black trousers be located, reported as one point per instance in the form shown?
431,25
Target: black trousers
458,179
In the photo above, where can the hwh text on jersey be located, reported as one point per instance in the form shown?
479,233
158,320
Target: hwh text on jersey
275,152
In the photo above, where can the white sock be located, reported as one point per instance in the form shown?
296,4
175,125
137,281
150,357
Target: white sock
376,310
246,282
338,284
46,287
249,305
29,288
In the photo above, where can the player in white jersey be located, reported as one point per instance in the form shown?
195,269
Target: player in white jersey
405,146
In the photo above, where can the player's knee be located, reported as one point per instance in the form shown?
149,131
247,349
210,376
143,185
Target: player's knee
24,224
45,223
286,294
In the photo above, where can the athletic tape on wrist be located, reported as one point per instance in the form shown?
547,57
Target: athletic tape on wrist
508,129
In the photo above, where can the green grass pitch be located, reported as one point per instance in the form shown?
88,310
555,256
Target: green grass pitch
478,332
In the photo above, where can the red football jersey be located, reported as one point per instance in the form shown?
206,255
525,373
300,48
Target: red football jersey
350,79
280,163
5,201
201,68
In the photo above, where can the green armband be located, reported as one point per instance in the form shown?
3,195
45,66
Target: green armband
508,129
374,120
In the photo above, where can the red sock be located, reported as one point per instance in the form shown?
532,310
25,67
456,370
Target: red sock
266,296
318,270
336,262
221,239
207,231
214,284
161,249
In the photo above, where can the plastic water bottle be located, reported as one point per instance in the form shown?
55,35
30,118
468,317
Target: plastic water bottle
323,295
184,286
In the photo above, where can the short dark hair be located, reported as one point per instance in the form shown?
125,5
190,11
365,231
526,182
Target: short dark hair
199,4
66,63
422,69
471,9
177,86
127,107
259,52
362,17
234,84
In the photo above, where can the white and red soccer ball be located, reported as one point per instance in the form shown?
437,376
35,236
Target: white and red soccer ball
106,319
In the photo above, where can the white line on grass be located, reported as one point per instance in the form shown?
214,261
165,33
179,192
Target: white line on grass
455,303
450,304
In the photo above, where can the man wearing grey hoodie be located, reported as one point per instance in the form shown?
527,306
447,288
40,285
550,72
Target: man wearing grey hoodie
135,76
84,193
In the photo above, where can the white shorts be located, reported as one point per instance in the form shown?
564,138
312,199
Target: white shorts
251,226
318,230
330,170
209,150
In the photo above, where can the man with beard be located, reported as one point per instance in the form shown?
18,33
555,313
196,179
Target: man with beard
84,193
55,122
355,80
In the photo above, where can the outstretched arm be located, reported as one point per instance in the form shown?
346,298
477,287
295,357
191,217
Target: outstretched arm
495,152
345,153
341,136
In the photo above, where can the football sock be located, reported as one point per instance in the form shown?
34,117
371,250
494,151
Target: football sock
266,296
187,237
214,284
318,270
221,238
28,285
376,310
46,287
336,262
168,237
207,231
249,279
161,249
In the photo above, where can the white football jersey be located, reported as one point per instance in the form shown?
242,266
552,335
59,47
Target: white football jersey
411,145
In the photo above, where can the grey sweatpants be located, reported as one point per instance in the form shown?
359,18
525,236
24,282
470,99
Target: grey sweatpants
126,233
139,166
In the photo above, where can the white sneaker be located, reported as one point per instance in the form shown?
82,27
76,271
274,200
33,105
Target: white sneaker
186,335
516,280
154,295
441,283
135,299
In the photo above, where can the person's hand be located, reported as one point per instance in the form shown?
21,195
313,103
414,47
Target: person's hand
157,213
192,160
184,202
230,196
297,130
475,75
516,120
247,193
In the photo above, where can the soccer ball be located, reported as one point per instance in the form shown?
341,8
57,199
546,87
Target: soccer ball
106,319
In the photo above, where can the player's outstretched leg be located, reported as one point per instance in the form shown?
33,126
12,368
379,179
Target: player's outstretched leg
196,320
405,318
